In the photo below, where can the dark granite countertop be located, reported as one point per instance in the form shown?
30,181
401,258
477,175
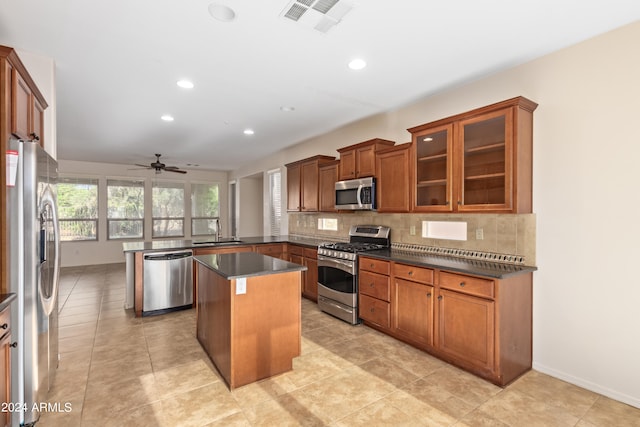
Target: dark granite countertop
495,270
166,245
246,264
6,300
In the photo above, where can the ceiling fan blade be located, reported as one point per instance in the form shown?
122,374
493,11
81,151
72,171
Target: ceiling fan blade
142,166
173,169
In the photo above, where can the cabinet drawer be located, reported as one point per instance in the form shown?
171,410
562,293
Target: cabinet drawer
272,250
467,284
376,265
374,310
410,272
375,285
296,250
310,253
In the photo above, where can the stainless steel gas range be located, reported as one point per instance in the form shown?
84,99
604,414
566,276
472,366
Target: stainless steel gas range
338,269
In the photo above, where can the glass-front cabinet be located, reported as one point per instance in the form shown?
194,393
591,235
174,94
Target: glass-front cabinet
479,161
433,168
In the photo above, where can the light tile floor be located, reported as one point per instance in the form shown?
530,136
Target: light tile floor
116,370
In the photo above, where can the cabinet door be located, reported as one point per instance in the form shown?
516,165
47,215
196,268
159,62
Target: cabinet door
432,154
21,106
484,158
413,311
348,164
5,377
393,180
293,188
37,122
310,284
309,184
365,161
328,175
466,328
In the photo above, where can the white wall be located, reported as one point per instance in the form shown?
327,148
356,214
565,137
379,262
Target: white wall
106,251
586,146
250,200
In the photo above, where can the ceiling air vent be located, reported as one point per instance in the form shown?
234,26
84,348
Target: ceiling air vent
321,15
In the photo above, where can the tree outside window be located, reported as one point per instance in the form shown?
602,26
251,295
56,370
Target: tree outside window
205,209
125,209
167,199
78,208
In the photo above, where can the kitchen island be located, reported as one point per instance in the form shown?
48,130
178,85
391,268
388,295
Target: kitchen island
248,314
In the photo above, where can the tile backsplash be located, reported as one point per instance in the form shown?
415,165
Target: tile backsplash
513,234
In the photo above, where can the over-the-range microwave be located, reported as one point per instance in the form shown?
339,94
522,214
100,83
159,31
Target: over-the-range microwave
356,194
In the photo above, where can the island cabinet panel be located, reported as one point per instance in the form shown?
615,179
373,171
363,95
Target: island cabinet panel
252,330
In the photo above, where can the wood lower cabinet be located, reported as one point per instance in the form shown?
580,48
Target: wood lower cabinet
374,293
309,258
479,324
276,250
5,365
413,304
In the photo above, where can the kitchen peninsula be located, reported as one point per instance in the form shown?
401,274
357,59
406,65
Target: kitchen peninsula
248,314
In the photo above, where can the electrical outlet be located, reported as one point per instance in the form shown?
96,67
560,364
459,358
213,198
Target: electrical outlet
479,234
412,230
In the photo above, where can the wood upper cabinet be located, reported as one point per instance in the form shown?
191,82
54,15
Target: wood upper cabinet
328,175
358,161
303,183
27,109
393,183
479,161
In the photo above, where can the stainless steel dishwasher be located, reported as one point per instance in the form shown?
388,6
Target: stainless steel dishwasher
168,282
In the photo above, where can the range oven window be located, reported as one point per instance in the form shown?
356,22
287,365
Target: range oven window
336,279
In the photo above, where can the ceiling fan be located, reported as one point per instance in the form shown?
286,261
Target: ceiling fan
159,166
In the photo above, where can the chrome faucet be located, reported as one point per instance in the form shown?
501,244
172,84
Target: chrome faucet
218,231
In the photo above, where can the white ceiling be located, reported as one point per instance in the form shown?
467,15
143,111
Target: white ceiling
117,63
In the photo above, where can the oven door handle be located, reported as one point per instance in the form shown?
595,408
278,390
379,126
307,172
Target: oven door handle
347,266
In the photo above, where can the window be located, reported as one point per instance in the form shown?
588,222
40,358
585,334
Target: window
78,208
205,209
275,207
125,209
167,200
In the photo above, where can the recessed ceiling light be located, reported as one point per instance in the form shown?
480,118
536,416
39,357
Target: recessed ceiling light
185,84
248,132
357,64
167,118
287,109
221,12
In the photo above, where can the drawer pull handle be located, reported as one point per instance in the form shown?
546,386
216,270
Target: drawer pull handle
13,344
372,265
371,284
372,310
4,326
428,294
411,273
440,298
462,284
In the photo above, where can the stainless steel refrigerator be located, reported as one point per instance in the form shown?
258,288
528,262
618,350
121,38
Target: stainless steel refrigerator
34,242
